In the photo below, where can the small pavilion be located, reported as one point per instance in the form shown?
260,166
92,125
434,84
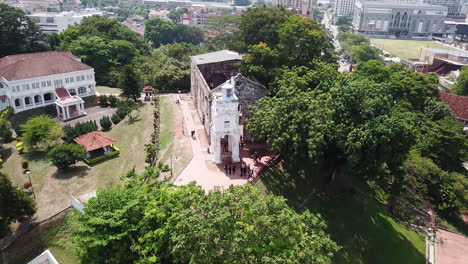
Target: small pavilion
68,107
96,144
149,92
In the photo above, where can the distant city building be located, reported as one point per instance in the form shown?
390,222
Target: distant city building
398,18
302,7
29,6
136,24
34,80
344,8
196,19
58,22
455,7
167,2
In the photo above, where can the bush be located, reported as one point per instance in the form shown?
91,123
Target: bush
79,129
112,100
106,123
103,100
41,133
122,109
62,156
116,119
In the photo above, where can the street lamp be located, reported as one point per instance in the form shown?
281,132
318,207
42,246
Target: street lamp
29,177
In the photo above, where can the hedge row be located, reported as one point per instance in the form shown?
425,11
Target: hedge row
152,149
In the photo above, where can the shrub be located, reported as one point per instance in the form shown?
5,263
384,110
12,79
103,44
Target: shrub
112,99
103,100
115,118
122,111
40,133
106,123
64,155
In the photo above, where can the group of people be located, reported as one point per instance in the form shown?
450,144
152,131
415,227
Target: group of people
245,169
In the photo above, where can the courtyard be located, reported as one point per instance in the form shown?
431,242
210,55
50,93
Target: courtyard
406,49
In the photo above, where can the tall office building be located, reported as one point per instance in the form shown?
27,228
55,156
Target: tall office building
344,8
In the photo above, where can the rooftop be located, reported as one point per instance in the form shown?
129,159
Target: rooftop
449,52
400,4
94,140
31,65
457,103
217,56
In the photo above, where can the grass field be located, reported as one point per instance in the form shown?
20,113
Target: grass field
53,186
406,49
355,220
108,90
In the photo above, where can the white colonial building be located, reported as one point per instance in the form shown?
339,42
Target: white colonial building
33,80
225,130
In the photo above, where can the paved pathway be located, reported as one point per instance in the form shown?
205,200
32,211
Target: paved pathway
201,168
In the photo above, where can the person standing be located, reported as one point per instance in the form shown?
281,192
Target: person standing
229,169
234,169
225,168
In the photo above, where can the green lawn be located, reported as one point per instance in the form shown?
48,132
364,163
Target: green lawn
356,221
53,186
406,49
166,143
108,90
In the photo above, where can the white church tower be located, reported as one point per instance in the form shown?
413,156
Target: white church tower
225,132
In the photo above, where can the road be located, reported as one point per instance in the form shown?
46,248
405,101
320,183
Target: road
343,66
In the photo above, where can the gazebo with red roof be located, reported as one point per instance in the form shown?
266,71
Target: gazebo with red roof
148,91
96,144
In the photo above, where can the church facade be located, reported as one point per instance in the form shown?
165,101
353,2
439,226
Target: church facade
222,97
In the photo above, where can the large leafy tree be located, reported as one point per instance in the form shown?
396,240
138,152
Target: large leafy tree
261,24
302,40
40,133
240,226
130,84
161,32
64,155
15,204
338,123
18,33
161,223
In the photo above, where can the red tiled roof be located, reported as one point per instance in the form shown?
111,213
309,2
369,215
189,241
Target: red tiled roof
30,65
62,93
94,140
458,104
184,16
148,89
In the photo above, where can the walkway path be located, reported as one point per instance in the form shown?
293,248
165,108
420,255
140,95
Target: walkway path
201,168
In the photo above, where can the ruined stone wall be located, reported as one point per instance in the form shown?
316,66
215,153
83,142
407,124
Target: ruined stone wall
217,73
248,92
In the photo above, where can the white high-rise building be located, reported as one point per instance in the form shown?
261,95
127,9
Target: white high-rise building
58,22
302,7
344,8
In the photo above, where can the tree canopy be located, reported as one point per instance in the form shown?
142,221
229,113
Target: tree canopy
15,204
64,155
161,32
18,33
162,223
40,133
